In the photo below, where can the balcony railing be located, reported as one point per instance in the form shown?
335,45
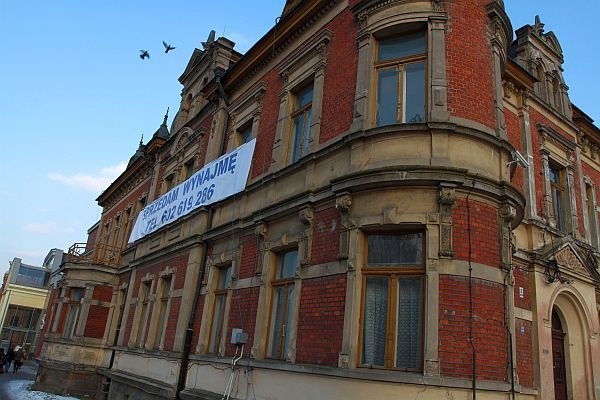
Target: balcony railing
102,254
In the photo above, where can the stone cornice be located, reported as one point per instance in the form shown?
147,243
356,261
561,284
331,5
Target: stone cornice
274,42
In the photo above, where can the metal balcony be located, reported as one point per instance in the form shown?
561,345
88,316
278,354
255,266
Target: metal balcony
102,254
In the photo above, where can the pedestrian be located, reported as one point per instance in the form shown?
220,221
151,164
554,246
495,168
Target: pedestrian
2,360
8,359
20,357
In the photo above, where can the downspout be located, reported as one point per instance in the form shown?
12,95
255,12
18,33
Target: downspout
187,345
189,332
474,356
508,318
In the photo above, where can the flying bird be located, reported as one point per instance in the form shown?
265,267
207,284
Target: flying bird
144,54
168,47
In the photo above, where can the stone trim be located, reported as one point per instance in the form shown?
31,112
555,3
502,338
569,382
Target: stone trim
307,64
374,17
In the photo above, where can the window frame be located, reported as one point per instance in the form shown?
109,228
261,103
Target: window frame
400,64
69,330
164,301
296,72
277,283
394,273
558,191
301,113
144,310
245,133
221,294
592,220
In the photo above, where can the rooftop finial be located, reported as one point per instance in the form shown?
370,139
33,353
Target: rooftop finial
209,41
538,27
142,139
166,117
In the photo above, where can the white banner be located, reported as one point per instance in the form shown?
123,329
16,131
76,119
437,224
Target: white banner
217,180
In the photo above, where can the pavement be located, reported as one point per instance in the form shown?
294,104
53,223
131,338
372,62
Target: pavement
16,386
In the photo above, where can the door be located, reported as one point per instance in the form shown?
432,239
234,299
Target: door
558,359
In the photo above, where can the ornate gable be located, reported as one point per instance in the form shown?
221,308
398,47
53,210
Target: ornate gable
572,258
568,259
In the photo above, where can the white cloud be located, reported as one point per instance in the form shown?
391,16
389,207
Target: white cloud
48,228
93,182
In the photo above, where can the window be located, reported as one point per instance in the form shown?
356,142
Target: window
557,191
400,75
283,300
32,276
121,302
163,307
188,169
301,117
74,306
245,133
392,325
218,317
169,183
143,301
591,211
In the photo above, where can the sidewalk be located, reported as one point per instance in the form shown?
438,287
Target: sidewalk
15,386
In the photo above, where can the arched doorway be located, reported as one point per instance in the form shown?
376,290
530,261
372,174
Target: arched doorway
558,358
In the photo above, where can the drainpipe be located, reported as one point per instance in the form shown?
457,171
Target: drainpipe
474,357
187,344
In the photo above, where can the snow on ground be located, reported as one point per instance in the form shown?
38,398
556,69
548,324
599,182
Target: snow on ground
20,390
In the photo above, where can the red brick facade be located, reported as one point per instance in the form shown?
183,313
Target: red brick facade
242,314
96,322
489,333
452,176
320,320
523,336
470,83
326,236
485,246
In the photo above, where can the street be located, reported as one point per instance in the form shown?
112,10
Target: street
15,386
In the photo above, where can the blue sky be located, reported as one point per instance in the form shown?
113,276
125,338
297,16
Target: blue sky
75,97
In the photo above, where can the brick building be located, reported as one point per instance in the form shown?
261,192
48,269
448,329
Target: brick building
419,217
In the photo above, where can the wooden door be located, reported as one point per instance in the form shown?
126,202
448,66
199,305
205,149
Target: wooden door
558,361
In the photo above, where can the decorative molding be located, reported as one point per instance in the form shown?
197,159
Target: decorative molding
307,217
261,230
569,260
318,47
549,134
447,198
278,49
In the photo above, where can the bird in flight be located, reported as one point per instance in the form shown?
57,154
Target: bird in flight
168,47
144,54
